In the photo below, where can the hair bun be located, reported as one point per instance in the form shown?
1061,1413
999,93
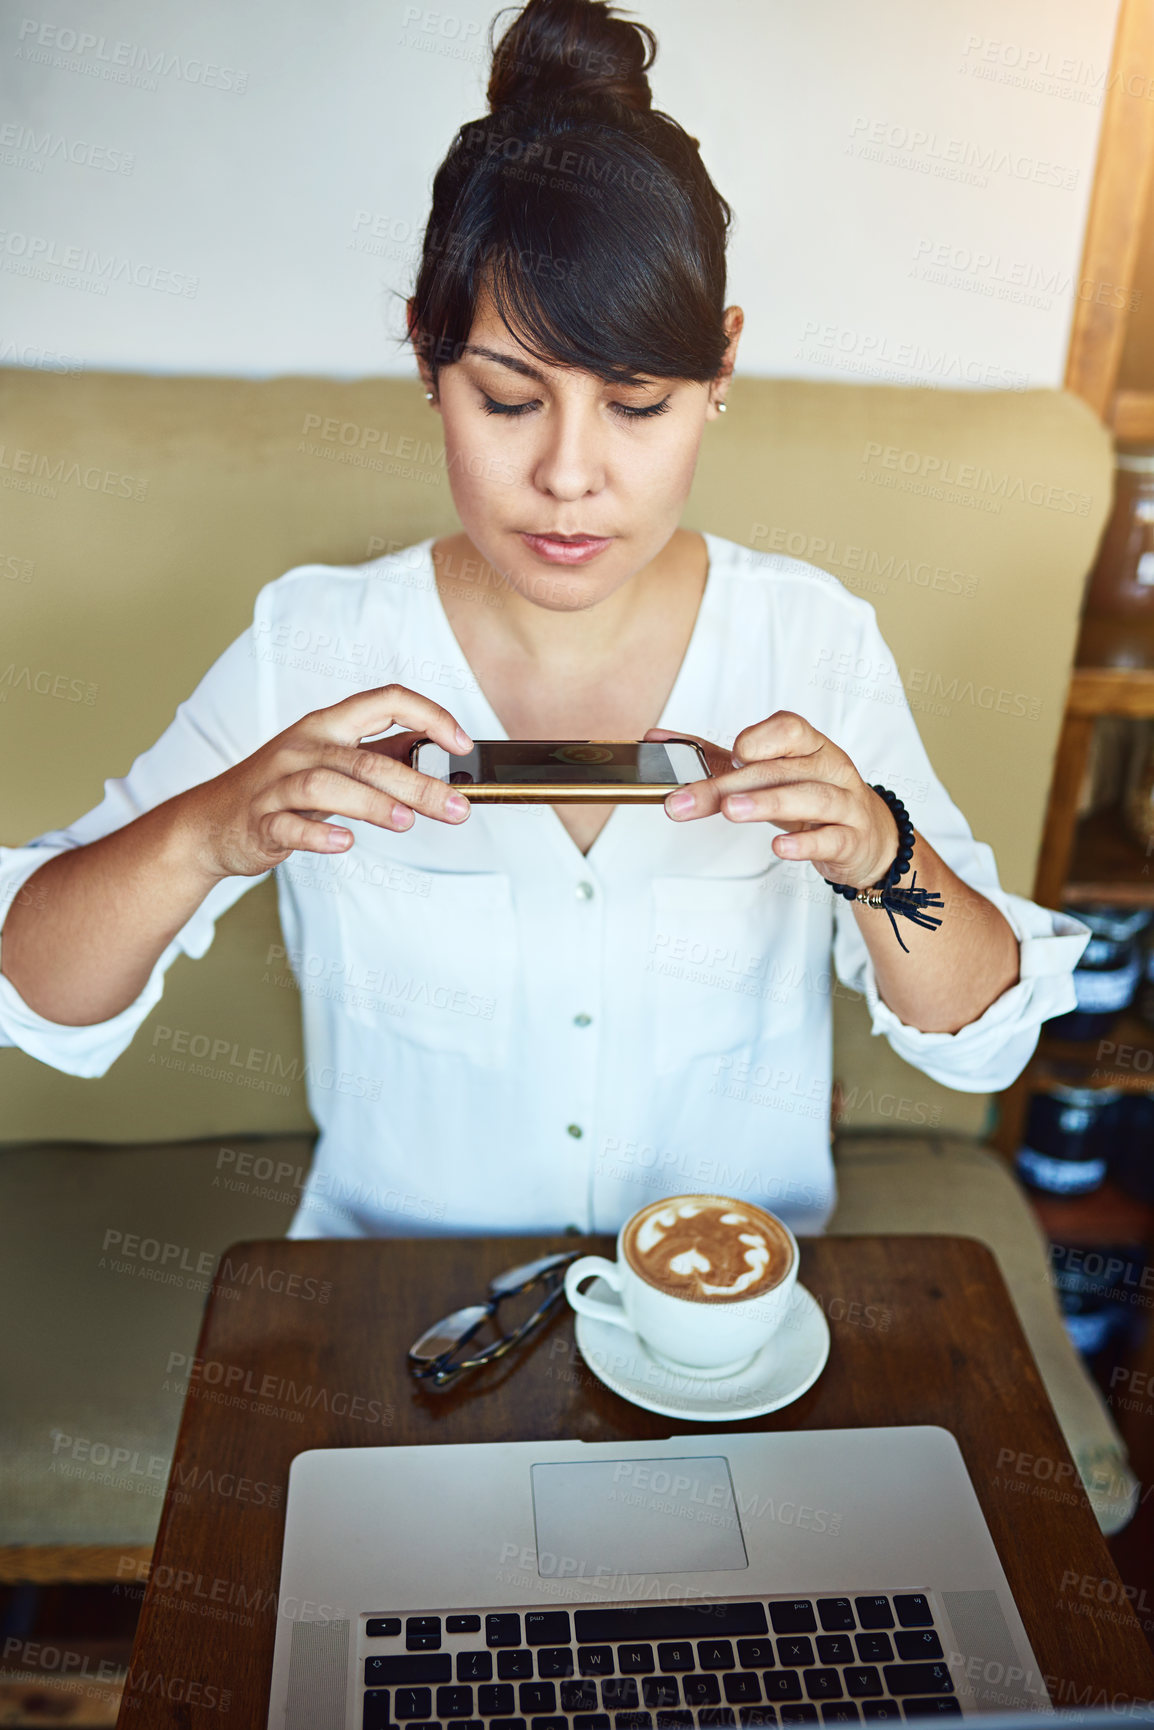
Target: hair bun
572,51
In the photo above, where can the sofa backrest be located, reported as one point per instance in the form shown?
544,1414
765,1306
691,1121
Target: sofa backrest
142,515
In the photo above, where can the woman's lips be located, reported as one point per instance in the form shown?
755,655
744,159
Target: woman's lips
575,551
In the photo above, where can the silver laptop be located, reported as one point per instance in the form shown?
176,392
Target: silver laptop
707,1582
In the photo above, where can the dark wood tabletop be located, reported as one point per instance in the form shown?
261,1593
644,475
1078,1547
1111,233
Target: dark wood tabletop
303,1346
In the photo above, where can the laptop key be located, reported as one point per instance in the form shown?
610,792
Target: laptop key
660,1691
635,1660
670,1622
874,1648
781,1685
918,1643
579,1697
495,1699
554,1661
904,1679
676,1655
840,1712
913,1610
675,1721
715,1654
836,1614
382,1627
798,1651
755,1654
593,1721
503,1629
408,1667
757,1717
619,1694
474,1666
701,1690
466,1724
741,1686
507,1724
939,1708
881,1711
861,1681
454,1701
834,1649
799,1714
423,1627
413,1703
462,1624
553,1723
547,1628
595,1661
537,1697
716,1718
793,1617
874,1612
375,1711
822,1684
514,1664
632,1721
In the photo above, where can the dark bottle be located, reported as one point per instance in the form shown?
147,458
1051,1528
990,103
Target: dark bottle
1067,1140
1132,1155
1108,971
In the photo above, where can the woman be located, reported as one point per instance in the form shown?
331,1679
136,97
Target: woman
532,1018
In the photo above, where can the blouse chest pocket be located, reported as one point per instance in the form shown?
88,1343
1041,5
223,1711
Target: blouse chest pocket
712,966
432,959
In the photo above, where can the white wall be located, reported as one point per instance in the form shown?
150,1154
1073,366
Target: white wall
195,190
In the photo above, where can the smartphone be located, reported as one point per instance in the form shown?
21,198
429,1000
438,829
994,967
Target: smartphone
564,771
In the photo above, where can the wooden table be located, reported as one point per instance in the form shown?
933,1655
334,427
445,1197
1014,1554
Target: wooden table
923,1332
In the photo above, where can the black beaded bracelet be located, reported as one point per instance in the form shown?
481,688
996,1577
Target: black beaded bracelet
911,902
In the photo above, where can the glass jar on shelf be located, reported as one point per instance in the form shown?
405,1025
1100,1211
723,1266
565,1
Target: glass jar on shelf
1067,1139
1138,791
1108,971
1122,581
1132,1153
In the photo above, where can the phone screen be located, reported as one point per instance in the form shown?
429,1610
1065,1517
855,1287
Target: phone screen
576,762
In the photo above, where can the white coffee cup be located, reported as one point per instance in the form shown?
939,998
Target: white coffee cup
708,1339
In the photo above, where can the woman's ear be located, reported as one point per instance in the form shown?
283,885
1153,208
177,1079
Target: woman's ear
733,323
423,366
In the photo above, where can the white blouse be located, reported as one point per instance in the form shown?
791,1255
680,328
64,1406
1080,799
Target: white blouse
504,1034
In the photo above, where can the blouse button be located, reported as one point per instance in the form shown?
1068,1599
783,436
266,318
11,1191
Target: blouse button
576,1131
584,891
582,1020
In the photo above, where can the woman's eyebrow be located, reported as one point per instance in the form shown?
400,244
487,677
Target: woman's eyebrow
508,360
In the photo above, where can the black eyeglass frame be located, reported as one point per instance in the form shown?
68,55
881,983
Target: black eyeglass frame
440,1370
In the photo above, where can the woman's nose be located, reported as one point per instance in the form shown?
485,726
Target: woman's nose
570,462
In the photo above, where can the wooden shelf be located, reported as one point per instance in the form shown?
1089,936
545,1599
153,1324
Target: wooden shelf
1109,864
1113,666
1077,1063
1108,1216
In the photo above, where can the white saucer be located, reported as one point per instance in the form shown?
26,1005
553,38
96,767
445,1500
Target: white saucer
780,1373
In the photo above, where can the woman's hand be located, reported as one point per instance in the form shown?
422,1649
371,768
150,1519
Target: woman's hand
275,802
795,778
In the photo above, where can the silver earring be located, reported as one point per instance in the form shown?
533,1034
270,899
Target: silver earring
428,396
721,408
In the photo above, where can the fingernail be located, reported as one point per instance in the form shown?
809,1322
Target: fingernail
739,804
455,806
738,762
402,816
679,803
464,740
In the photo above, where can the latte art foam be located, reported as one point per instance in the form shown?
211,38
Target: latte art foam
708,1249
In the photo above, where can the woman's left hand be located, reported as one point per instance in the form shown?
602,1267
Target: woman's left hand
792,776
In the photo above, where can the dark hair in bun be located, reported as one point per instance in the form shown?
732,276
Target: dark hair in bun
585,212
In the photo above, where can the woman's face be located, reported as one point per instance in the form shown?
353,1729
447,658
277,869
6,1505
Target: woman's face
537,451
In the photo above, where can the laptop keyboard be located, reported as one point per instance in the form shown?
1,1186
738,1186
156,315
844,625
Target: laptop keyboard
871,1658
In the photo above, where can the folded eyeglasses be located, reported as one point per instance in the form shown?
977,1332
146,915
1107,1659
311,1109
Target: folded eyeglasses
435,1356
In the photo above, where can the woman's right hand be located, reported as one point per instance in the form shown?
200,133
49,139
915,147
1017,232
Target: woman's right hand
247,820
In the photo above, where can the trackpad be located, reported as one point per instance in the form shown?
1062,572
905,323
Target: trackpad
599,1518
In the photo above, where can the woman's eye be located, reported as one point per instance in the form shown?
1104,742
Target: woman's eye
642,413
494,407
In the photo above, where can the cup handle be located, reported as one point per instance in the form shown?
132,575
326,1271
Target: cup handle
585,1268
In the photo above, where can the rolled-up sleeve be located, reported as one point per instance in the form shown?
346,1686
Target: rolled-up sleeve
224,720
880,734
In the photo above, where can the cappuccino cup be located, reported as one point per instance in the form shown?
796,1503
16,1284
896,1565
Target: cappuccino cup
704,1281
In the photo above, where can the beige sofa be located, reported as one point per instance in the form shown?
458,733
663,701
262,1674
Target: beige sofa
142,516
